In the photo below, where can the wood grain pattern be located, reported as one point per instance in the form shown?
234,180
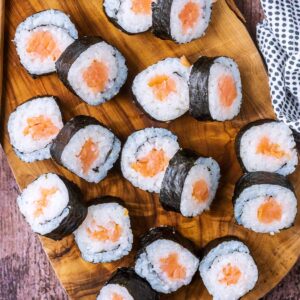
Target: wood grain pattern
81,279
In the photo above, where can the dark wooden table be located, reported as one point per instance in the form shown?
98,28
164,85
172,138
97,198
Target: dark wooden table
25,272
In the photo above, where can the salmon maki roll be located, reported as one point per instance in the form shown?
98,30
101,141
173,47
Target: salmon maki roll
41,38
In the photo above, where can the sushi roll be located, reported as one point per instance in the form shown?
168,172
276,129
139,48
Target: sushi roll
215,89
162,89
92,69
131,16
105,235
125,284
267,145
167,260
227,269
180,20
41,38
190,183
86,147
264,202
146,155
52,206
33,126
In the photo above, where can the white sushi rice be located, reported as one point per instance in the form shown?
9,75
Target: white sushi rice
104,215
108,147
249,201
223,66
25,146
137,146
200,26
206,169
234,253
177,103
148,265
278,133
56,209
109,290
117,73
130,21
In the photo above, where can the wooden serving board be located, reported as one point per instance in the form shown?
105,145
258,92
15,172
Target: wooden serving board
275,255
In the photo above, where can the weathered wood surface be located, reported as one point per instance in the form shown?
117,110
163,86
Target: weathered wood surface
26,274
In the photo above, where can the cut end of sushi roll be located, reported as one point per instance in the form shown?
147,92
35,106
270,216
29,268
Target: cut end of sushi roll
162,89
215,89
105,235
267,145
167,260
131,16
87,148
52,206
41,39
146,155
190,183
264,202
228,270
92,69
181,20
33,126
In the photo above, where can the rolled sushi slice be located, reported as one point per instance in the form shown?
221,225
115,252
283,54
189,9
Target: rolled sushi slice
162,90
92,69
180,20
264,202
33,126
190,183
105,235
125,284
167,260
215,89
267,145
87,148
146,155
41,38
227,269
52,205
131,16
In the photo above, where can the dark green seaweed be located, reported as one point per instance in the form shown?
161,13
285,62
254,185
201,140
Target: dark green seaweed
106,199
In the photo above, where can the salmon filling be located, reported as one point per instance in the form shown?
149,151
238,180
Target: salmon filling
113,233
142,7
43,45
266,147
189,16
230,275
40,127
270,211
116,296
227,90
42,203
162,86
88,154
96,76
153,163
200,191
171,266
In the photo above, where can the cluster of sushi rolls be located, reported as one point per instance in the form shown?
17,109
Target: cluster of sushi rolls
264,202
86,147
180,20
146,155
167,260
267,145
125,284
162,90
32,126
92,69
215,89
41,38
227,269
190,183
105,235
53,206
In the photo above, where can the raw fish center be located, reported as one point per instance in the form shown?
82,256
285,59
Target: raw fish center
227,90
266,147
88,154
171,266
189,16
270,211
112,232
200,190
142,7
230,275
42,203
162,86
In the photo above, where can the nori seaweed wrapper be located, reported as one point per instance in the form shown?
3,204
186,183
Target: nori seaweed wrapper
106,199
